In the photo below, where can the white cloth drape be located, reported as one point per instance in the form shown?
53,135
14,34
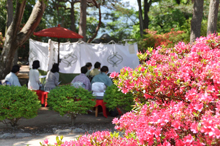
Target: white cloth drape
38,51
75,55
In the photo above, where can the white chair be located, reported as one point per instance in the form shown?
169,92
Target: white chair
98,89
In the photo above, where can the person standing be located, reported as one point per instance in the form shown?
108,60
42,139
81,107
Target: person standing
12,76
52,79
34,82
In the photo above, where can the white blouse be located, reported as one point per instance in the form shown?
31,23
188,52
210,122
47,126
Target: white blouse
12,79
34,81
52,80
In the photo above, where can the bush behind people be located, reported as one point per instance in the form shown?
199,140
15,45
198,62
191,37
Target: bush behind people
115,98
17,102
70,100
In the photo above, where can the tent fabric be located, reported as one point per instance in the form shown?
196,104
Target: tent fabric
75,55
38,51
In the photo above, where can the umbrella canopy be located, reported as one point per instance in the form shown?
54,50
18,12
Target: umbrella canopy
57,32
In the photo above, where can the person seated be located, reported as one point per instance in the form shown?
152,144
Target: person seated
102,77
89,66
11,78
82,80
95,71
34,82
52,78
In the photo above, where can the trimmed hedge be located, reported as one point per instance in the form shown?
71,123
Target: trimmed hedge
17,102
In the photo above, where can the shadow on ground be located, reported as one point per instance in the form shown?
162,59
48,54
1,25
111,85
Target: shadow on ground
43,126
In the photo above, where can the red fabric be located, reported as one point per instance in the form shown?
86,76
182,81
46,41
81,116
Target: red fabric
102,104
57,32
42,96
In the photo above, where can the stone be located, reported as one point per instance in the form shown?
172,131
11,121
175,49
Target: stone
78,130
65,131
90,131
54,129
21,135
7,135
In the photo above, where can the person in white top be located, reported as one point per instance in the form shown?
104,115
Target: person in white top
12,76
34,82
52,79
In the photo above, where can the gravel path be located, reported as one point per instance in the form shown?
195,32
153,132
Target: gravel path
48,125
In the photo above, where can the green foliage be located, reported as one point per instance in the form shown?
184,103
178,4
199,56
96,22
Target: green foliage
122,22
3,13
115,98
17,102
167,15
70,100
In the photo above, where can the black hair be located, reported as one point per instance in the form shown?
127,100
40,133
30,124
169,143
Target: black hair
55,68
88,64
36,64
84,69
15,68
104,69
97,65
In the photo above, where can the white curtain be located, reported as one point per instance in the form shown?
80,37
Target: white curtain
75,55
38,51
70,58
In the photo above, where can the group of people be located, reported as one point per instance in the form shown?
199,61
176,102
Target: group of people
88,76
52,78
85,79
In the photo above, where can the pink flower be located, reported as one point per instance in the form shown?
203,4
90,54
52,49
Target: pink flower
114,75
198,107
148,96
46,141
194,127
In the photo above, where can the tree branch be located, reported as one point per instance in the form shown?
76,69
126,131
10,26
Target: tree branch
32,22
17,18
97,28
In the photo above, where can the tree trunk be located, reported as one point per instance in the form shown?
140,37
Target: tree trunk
98,27
9,20
72,18
82,23
14,38
196,20
146,10
213,16
140,18
9,12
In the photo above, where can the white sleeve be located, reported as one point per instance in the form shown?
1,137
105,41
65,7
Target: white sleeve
36,76
56,79
16,82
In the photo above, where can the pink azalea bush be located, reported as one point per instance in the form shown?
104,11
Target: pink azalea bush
180,89
176,95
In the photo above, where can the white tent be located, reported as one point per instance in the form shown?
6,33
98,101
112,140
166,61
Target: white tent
75,55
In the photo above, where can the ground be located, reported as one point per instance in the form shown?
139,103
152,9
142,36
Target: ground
49,124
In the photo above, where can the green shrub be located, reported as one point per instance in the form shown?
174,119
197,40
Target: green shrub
71,101
17,102
115,98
